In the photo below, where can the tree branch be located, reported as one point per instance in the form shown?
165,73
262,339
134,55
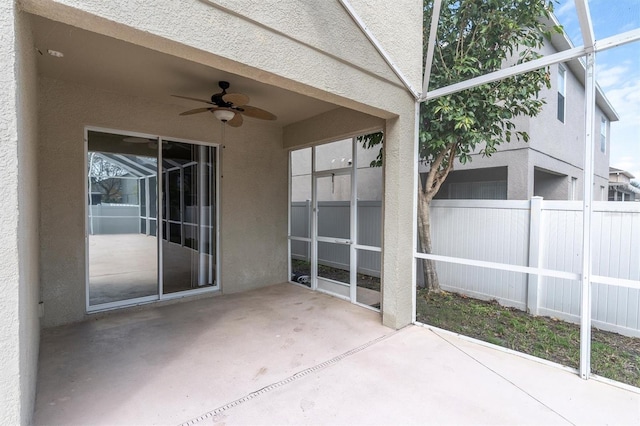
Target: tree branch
436,177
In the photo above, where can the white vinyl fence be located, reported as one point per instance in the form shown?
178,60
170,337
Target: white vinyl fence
114,219
532,233
501,231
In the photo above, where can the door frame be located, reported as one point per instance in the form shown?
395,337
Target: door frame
159,219
312,240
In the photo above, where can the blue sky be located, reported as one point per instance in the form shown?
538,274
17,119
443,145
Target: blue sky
617,71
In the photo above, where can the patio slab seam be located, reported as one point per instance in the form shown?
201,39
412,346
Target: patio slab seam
501,376
290,379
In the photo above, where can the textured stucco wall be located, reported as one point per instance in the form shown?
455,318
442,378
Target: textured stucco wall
305,46
10,399
28,223
253,189
515,157
400,176
19,325
254,208
550,186
397,25
340,123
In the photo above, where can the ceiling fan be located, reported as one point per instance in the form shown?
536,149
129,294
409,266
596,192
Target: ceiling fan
229,107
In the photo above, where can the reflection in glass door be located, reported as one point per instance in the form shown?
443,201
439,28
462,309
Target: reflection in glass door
126,264
189,238
122,245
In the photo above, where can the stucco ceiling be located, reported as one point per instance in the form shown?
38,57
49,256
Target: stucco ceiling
106,63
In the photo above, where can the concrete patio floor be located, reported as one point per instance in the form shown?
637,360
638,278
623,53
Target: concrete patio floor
286,355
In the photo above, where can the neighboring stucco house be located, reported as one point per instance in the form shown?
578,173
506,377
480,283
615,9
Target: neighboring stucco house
80,76
620,188
550,165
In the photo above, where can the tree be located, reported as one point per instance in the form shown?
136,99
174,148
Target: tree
475,37
106,177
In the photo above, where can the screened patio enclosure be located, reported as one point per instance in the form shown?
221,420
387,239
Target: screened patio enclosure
130,258
572,258
335,236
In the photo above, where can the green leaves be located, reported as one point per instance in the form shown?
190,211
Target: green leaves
371,140
476,37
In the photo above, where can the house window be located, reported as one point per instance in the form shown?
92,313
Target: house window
574,188
489,190
561,92
603,135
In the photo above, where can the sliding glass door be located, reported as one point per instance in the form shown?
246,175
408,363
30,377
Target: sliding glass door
141,246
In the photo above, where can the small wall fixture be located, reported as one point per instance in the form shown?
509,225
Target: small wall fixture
224,115
55,53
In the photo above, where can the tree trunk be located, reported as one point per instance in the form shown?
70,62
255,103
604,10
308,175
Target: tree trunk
431,281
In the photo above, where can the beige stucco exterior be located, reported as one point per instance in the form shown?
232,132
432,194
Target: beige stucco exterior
252,158
308,48
19,327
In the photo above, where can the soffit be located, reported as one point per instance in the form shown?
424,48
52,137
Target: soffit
106,63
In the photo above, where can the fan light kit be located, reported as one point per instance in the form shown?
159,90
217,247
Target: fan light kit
229,107
223,115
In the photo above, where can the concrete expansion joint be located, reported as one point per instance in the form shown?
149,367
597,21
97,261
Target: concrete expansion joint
290,379
500,375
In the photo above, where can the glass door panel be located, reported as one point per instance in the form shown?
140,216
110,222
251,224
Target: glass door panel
333,221
333,208
369,235
334,155
122,249
300,214
188,204
300,262
368,281
334,268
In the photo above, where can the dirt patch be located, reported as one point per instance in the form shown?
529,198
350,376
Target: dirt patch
301,270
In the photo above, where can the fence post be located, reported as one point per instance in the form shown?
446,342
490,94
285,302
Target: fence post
534,281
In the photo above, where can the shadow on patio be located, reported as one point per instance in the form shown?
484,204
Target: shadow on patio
284,354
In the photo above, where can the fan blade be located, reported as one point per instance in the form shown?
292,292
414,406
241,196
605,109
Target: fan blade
136,139
251,111
193,99
237,99
196,111
236,121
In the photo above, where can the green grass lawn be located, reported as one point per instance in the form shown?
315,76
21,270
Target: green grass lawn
613,356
